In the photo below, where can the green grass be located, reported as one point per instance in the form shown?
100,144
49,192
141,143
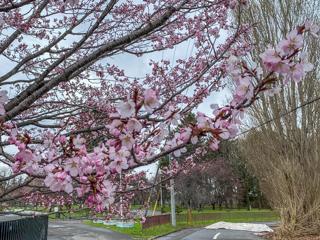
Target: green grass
229,216
226,210
205,209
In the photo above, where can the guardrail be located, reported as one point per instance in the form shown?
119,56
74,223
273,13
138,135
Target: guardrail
23,227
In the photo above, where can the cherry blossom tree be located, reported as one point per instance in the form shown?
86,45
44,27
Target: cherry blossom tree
81,124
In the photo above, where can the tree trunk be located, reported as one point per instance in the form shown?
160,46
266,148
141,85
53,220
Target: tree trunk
213,206
248,201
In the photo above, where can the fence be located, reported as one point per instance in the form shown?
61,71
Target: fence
24,228
204,217
156,220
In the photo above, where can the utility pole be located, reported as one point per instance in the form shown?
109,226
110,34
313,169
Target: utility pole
172,195
161,197
173,201
121,199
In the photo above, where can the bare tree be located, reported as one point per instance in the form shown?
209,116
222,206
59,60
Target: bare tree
213,182
285,155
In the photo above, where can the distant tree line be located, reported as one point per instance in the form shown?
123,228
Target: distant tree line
219,180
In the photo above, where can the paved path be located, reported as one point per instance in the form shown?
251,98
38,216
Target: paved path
75,230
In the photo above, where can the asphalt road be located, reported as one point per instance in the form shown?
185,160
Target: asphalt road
209,234
75,230
221,234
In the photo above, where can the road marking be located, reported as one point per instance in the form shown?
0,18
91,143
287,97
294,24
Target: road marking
216,236
55,226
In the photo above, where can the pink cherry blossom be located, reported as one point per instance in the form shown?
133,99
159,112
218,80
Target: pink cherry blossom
162,133
179,152
224,134
273,91
233,130
27,161
184,134
292,42
126,109
313,28
134,125
119,164
273,62
143,219
194,140
298,71
203,121
72,167
115,124
214,145
150,100
62,139
82,190
139,153
127,140
172,116
78,142
32,166
122,153
244,87
59,181
232,66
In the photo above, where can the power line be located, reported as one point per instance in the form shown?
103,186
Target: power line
280,116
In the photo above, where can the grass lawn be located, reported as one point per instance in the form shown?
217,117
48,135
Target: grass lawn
237,216
226,210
